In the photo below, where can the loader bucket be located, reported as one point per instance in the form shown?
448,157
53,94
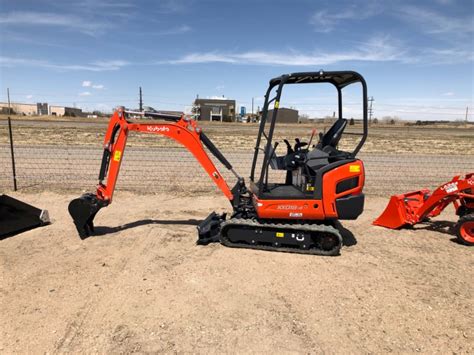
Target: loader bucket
17,216
83,211
401,210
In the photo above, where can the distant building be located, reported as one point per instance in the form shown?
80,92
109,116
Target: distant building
40,109
57,110
284,115
21,109
221,110
65,111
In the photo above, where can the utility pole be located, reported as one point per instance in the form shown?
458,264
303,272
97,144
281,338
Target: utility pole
467,111
8,95
252,106
141,101
370,99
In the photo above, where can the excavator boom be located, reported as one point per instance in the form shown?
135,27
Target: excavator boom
183,130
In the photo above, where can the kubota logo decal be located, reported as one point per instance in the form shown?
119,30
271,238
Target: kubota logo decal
157,129
450,187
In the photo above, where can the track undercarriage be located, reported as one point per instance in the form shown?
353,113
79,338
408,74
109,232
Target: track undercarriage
289,236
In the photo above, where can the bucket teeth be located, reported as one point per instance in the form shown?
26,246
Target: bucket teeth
83,211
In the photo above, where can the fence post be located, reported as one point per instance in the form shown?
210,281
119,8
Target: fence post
12,152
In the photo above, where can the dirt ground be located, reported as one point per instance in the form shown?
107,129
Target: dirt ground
142,285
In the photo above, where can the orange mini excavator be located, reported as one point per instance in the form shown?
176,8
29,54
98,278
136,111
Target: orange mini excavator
320,184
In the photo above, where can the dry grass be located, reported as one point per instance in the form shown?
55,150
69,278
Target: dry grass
443,140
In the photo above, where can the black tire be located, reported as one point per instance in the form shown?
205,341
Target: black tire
463,210
465,229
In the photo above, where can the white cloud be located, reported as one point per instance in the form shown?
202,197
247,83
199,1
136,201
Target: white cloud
90,84
174,31
380,48
29,96
97,66
432,22
85,93
325,21
449,93
170,6
445,2
447,55
33,18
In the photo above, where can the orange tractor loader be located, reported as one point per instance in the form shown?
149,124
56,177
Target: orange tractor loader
418,206
322,183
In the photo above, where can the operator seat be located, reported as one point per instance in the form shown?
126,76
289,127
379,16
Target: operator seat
332,137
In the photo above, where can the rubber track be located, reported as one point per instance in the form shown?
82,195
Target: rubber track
321,228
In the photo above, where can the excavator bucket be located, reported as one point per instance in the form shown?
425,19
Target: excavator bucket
83,211
17,216
401,210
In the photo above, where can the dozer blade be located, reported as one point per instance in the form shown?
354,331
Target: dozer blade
402,210
83,211
17,216
209,229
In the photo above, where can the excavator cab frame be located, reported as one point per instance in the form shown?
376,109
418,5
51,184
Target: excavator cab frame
340,80
305,165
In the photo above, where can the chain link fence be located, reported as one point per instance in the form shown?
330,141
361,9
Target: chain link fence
159,169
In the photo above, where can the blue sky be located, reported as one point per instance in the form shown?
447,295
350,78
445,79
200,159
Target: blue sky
417,56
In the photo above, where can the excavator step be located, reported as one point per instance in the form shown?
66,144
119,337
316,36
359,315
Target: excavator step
17,216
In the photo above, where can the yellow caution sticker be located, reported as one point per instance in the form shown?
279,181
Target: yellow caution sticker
279,234
117,155
277,104
354,168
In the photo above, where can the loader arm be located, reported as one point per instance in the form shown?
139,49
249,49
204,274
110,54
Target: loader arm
183,130
416,206
446,194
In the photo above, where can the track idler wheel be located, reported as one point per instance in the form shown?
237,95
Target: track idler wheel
83,211
465,229
330,243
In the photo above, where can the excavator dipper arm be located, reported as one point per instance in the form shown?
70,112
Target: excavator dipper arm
183,130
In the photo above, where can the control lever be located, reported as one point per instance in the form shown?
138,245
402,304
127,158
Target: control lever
299,144
312,136
289,149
